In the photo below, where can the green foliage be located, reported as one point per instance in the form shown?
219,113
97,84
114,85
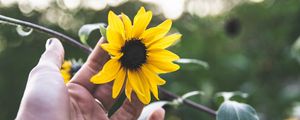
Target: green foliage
234,96
295,50
159,104
254,59
87,29
231,110
102,31
193,61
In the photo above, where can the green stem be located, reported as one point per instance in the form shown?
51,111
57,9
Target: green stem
88,50
47,31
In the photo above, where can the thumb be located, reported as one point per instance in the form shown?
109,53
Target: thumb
45,89
158,114
48,68
54,53
49,64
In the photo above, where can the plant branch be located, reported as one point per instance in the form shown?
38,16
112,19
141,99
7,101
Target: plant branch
188,102
47,31
88,50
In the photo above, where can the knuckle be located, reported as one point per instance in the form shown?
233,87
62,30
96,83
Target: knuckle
93,67
53,54
41,69
132,109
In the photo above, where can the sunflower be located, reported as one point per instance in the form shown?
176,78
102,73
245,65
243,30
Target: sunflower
138,55
69,68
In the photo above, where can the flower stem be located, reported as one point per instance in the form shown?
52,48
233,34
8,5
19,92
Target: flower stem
187,102
47,31
88,50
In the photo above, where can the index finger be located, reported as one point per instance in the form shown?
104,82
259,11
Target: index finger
94,63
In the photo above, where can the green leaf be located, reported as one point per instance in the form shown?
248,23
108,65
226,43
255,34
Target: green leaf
192,93
229,95
102,31
86,30
295,50
193,61
176,102
232,110
148,110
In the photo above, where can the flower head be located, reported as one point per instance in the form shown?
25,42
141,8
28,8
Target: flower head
138,55
69,68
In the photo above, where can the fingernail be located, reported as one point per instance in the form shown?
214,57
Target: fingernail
48,43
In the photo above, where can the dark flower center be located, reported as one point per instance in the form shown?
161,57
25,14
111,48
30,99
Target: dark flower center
134,54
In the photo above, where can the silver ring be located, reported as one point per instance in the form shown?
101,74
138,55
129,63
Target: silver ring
102,106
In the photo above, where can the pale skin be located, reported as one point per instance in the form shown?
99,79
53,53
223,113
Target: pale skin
46,97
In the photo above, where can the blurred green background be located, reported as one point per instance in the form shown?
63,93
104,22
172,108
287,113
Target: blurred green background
247,44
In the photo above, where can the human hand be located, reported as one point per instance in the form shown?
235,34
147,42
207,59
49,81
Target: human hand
47,97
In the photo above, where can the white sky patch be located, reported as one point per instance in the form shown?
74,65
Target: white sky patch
95,4
115,2
203,8
256,1
8,3
172,9
72,4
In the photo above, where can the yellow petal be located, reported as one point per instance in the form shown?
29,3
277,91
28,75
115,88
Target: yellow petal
111,49
114,38
136,82
117,57
154,90
118,83
163,66
147,85
155,69
153,79
66,76
128,90
67,65
151,75
161,55
127,25
139,13
147,93
108,73
139,86
165,42
143,99
155,33
115,23
140,24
